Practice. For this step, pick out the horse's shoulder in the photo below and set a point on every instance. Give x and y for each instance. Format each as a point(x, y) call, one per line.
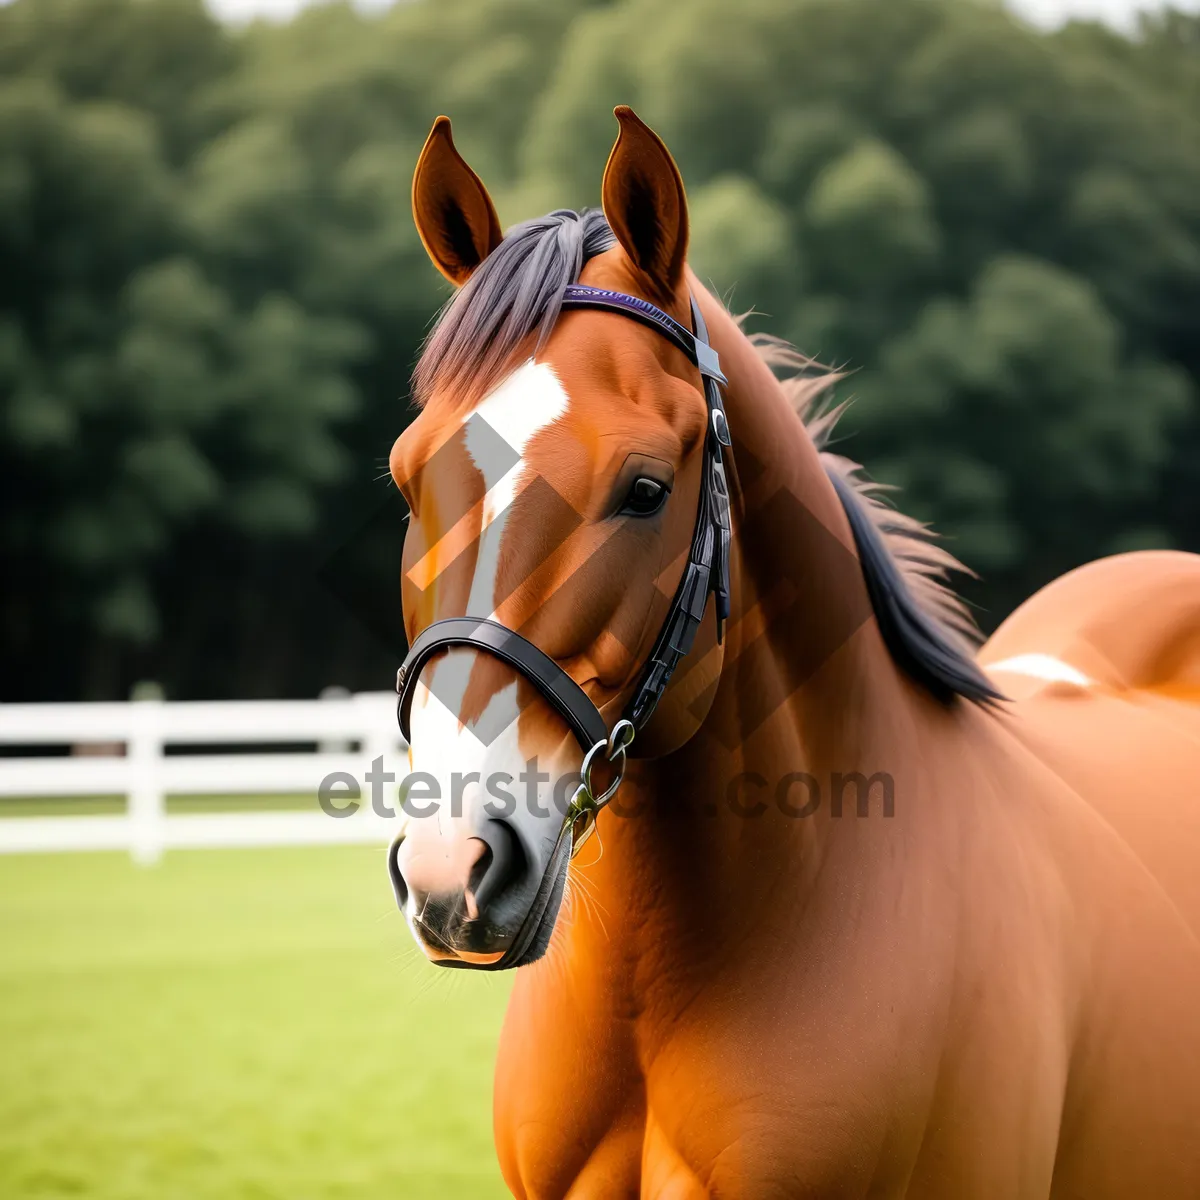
point(1130, 622)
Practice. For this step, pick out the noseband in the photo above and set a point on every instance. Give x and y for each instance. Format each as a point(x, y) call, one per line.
point(706, 573)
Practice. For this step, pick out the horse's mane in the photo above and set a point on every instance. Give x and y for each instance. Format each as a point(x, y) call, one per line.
point(927, 627)
point(515, 295)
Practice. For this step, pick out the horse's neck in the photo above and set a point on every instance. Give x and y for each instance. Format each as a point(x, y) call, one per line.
point(807, 686)
point(805, 660)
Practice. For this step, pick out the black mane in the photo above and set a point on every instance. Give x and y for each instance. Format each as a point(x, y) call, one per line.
point(922, 646)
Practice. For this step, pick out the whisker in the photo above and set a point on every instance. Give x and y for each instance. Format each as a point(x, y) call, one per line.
point(589, 886)
point(588, 901)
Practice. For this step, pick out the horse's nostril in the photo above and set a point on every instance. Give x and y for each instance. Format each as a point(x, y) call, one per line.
point(476, 877)
point(399, 888)
point(500, 864)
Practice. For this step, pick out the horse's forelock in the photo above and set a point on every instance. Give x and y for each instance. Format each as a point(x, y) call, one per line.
point(514, 297)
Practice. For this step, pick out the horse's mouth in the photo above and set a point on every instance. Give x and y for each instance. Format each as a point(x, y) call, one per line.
point(457, 949)
point(531, 940)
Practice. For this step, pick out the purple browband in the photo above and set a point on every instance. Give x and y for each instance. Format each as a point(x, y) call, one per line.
point(700, 352)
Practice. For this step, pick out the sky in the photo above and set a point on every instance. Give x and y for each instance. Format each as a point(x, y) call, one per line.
point(1050, 13)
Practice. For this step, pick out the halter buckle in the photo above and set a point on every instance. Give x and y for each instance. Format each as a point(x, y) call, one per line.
point(581, 813)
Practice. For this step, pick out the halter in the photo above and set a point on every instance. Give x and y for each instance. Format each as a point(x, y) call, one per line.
point(707, 572)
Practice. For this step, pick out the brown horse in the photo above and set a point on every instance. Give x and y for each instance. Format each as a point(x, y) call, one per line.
point(860, 926)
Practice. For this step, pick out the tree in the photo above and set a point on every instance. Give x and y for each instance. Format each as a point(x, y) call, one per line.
point(139, 398)
point(212, 294)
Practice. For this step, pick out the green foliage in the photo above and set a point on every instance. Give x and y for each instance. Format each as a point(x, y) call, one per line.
point(1032, 352)
point(155, 57)
point(211, 292)
point(139, 395)
point(868, 218)
point(740, 239)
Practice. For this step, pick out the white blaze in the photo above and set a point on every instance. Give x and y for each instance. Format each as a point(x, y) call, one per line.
point(528, 401)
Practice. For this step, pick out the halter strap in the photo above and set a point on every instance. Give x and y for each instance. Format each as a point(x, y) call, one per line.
point(569, 700)
point(706, 572)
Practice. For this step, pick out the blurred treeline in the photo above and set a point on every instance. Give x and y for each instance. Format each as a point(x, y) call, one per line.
point(211, 293)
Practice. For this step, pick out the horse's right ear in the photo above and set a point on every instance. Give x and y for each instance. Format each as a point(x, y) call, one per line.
point(453, 212)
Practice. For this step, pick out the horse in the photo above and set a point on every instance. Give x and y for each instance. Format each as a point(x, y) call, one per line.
point(872, 911)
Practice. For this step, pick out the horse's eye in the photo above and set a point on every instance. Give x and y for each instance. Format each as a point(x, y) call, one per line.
point(645, 497)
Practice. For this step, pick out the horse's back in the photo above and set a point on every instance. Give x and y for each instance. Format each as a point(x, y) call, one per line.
point(1103, 666)
point(1130, 622)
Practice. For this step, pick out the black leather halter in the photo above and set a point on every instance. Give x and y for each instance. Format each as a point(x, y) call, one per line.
point(707, 569)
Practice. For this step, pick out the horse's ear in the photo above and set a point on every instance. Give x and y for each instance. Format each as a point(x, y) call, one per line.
point(454, 214)
point(645, 204)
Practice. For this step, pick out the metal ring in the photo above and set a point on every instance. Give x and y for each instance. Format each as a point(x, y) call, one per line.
point(611, 790)
point(584, 803)
point(620, 738)
point(585, 771)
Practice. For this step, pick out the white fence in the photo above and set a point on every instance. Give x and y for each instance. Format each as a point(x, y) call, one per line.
point(350, 732)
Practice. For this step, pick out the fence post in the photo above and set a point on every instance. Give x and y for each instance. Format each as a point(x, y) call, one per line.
point(147, 810)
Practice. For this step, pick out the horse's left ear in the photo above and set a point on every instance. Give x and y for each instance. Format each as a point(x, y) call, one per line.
point(453, 212)
point(645, 204)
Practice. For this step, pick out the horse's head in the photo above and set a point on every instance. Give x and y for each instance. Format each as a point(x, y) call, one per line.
point(553, 476)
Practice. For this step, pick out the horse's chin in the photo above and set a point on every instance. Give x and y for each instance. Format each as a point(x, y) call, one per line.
point(532, 939)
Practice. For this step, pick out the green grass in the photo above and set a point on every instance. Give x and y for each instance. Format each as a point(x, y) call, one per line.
point(234, 1024)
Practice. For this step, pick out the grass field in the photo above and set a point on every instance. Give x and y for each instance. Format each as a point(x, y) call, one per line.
point(234, 1024)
